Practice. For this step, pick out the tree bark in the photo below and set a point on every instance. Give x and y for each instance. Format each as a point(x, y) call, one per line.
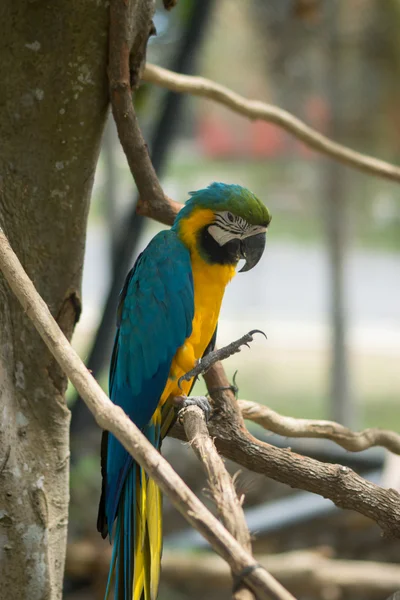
point(53, 104)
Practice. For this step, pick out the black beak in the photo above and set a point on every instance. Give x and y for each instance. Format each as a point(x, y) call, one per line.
point(251, 249)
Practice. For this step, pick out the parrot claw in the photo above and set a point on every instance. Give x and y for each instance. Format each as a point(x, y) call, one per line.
point(203, 364)
point(201, 401)
point(253, 331)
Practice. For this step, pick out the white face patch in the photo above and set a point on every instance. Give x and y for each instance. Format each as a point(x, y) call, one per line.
point(229, 227)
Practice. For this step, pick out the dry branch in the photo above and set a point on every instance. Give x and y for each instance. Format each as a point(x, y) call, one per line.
point(221, 485)
point(113, 419)
point(355, 441)
point(255, 109)
point(340, 484)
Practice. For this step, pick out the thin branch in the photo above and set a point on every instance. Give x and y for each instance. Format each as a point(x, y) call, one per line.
point(113, 419)
point(338, 483)
point(221, 485)
point(355, 441)
point(255, 109)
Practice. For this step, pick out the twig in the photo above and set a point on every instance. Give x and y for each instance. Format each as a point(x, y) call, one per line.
point(113, 419)
point(355, 441)
point(255, 109)
point(338, 483)
point(210, 359)
point(221, 485)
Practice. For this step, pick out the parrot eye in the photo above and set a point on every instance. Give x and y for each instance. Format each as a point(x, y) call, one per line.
point(230, 216)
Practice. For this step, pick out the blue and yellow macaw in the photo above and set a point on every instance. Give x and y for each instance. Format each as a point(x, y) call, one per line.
point(167, 318)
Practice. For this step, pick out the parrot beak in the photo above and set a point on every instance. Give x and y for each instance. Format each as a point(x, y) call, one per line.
point(251, 249)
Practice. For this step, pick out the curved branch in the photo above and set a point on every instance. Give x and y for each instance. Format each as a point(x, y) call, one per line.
point(355, 441)
point(255, 109)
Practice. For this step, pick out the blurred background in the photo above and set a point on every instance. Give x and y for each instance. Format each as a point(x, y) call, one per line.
point(327, 292)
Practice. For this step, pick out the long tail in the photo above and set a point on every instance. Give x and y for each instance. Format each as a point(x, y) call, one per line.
point(136, 557)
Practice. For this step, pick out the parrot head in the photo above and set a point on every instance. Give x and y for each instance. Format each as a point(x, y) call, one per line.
point(224, 223)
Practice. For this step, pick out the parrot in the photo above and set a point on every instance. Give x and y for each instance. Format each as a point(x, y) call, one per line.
point(166, 322)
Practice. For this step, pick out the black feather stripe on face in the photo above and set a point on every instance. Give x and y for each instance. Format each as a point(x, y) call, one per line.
point(213, 253)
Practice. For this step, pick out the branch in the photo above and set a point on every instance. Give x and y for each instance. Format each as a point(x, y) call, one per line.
point(120, 77)
point(113, 419)
point(338, 483)
point(309, 428)
point(221, 485)
point(255, 109)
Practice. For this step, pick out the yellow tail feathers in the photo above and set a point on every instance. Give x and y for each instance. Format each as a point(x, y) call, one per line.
point(148, 539)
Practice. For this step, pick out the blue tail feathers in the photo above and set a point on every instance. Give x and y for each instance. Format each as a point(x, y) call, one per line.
point(136, 556)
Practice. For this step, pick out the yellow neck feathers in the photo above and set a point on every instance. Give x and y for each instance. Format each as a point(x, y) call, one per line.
point(209, 286)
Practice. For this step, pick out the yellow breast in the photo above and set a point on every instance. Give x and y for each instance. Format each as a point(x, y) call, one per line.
point(209, 283)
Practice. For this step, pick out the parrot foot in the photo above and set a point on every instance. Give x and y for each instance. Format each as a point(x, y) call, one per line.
point(207, 361)
point(201, 401)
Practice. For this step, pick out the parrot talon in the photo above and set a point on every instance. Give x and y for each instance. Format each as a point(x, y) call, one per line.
point(220, 354)
point(201, 402)
point(253, 331)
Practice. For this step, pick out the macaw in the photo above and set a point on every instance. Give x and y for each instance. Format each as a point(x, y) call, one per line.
point(167, 319)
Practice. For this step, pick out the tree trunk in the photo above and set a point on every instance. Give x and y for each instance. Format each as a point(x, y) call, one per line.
point(53, 104)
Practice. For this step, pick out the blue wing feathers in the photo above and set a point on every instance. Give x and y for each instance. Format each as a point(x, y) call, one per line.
point(154, 319)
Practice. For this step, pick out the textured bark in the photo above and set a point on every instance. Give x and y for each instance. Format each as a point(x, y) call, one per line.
point(53, 104)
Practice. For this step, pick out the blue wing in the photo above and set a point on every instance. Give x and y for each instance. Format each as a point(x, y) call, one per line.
point(154, 319)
